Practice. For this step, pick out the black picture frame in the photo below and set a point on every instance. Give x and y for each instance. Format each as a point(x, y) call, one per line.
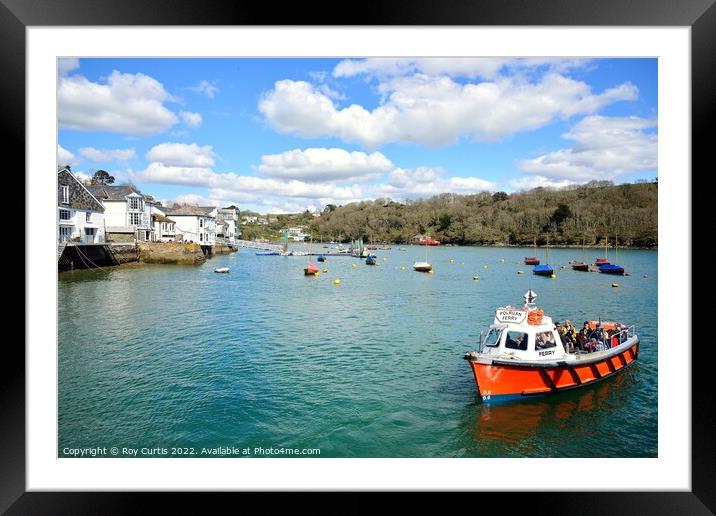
point(699, 15)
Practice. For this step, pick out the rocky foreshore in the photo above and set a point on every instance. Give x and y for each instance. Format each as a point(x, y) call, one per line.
point(171, 252)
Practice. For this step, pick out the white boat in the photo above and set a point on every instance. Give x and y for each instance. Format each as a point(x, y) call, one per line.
point(222, 269)
point(422, 266)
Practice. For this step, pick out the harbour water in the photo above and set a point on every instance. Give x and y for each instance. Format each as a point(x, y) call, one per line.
point(160, 356)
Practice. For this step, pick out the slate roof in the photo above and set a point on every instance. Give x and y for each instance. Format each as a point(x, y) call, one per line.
point(203, 211)
point(114, 192)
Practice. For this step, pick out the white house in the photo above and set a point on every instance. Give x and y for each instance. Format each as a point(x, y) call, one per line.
point(80, 214)
point(127, 212)
point(297, 234)
point(195, 223)
point(164, 227)
point(231, 229)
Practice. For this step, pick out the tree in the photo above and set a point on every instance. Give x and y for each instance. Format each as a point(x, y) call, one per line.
point(561, 214)
point(499, 196)
point(329, 208)
point(102, 177)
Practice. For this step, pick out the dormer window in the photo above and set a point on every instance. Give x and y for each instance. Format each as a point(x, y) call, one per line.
point(65, 192)
point(135, 203)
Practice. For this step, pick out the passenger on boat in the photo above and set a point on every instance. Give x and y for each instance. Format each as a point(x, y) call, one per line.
point(583, 336)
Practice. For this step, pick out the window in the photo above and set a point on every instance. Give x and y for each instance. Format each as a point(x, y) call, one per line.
point(135, 203)
point(516, 340)
point(65, 190)
point(135, 218)
point(65, 233)
point(493, 337)
point(545, 340)
point(88, 216)
point(201, 223)
point(65, 215)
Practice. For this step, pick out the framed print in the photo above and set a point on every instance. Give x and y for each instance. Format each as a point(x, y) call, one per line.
point(452, 172)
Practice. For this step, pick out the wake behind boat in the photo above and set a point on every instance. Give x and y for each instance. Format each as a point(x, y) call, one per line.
point(524, 355)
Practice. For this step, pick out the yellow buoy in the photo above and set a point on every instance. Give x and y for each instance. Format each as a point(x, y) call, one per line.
point(317, 274)
point(484, 266)
point(385, 258)
point(353, 265)
point(336, 281)
point(462, 263)
point(553, 276)
point(402, 268)
point(615, 284)
point(325, 270)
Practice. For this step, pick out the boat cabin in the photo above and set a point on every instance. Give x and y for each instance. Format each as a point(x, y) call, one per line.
point(523, 334)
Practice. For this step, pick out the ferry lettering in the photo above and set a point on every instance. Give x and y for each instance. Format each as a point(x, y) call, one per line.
point(545, 353)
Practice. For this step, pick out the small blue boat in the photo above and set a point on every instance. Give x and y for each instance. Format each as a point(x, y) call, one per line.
point(611, 268)
point(371, 259)
point(267, 253)
point(321, 258)
point(543, 270)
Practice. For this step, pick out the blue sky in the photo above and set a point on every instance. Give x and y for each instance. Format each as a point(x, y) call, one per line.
point(285, 135)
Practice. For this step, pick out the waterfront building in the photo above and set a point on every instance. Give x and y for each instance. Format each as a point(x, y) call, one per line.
point(230, 231)
point(164, 227)
point(80, 214)
point(195, 224)
point(127, 212)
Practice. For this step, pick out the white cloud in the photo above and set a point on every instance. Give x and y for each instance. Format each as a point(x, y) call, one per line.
point(230, 185)
point(207, 88)
point(186, 155)
point(66, 64)
point(127, 103)
point(191, 119)
point(605, 148)
point(426, 182)
point(65, 157)
point(435, 111)
point(319, 164)
point(528, 183)
point(106, 155)
point(82, 177)
point(471, 67)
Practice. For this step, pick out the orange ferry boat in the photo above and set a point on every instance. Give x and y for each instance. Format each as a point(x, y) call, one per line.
point(523, 355)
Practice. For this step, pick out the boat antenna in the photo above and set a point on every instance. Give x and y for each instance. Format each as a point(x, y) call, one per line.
point(530, 297)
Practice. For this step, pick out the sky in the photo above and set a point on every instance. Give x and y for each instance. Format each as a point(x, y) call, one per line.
point(281, 135)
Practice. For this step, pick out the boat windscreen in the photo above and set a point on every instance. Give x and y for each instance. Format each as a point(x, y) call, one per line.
point(493, 337)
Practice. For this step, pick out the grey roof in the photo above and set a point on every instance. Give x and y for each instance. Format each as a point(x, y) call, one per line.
point(161, 218)
point(113, 192)
point(190, 210)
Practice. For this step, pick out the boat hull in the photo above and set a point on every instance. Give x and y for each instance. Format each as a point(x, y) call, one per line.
point(581, 266)
point(422, 268)
point(531, 261)
point(497, 379)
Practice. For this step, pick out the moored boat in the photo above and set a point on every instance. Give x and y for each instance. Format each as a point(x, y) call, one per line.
point(371, 259)
point(543, 270)
point(222, 270)
point(523, 355)
point(429, 241)
point(422, 266)
point(321, 258)
point(311, 270)
point(580, 266)
point(611, 268)
point(531, 260)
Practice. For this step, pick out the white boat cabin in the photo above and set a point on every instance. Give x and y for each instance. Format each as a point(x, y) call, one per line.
point(523, 333)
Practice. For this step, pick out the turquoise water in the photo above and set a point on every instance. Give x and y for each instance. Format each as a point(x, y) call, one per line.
point(263, 357)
